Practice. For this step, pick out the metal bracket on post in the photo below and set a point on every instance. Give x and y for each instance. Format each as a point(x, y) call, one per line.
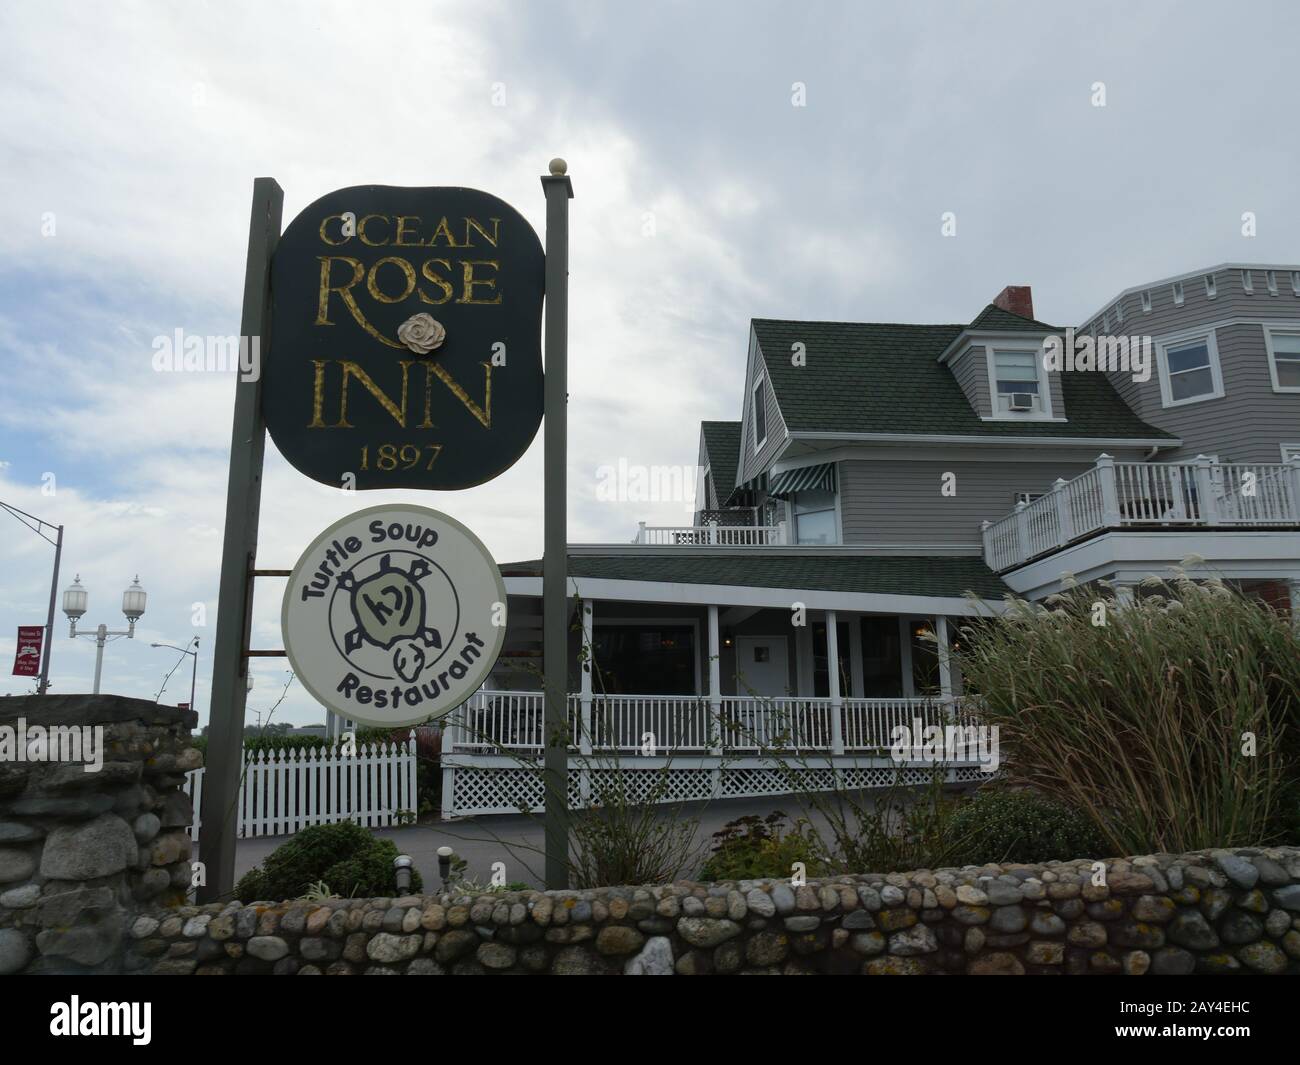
point(555, 637)
point(219, 817)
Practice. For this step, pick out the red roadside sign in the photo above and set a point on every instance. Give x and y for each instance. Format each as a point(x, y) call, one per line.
point(27, 659)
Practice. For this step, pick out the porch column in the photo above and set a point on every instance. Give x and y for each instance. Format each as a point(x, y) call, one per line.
point(1124, 593)
point(945, 666)
point(584, 738)
point(905, 654)
point(833, 680)
point(857, 678)
point(715, 682)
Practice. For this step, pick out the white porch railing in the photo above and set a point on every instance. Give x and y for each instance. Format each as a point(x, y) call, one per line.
point(711, 535)
point(1117, 495)
point(511, 722)
point(681, 748)
point(285, 791)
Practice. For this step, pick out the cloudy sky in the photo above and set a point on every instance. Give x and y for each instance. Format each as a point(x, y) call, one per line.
point(131, 134)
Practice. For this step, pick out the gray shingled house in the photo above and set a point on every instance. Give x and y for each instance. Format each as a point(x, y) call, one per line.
point(884, 481)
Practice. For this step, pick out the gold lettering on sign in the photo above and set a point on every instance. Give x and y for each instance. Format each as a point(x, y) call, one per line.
point(467, 293)
point(496, 231)
point(444, 231)
point(372, 283)
point(361, 231)
point(397, 410)
point(447, 289)
point(401, 231)
point(358, 272)
point(325, 239)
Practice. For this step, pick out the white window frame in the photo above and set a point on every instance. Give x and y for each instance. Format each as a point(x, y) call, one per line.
point(1026, 497)
point(753, 410)
point(1163, 344)
point(792, 521)
point(1146, 302)
point(1289, 451)
point(1044, 413)
point(1269, 329)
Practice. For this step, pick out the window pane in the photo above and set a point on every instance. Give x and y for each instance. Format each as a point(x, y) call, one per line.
point(1286, 344)
point(1191, 383)
point(1018, 386)
point(814, 499)
point(1288, 373)
point(1190, 357)
point(815, 528)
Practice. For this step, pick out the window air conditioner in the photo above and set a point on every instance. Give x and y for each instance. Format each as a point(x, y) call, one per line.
point(1021, 401)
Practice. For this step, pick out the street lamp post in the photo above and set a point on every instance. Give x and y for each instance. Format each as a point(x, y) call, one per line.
point(43, 684)
point(194, 654)
point(75, 599)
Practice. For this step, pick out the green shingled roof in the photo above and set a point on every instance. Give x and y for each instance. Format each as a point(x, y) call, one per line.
point(870, 378)
point(944, 575)
point(722, 443)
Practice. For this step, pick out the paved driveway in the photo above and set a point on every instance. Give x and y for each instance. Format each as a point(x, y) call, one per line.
point(517, 839)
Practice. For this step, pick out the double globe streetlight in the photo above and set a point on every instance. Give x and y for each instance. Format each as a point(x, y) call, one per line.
point(75, 599)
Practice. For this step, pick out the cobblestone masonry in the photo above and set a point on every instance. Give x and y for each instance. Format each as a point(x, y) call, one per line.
point(77, 895)
point(81, 853)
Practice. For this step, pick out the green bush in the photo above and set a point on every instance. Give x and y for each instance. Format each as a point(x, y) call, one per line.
point(999, 825)
point(344, 856)
point(752, 848)
point(1139, 716)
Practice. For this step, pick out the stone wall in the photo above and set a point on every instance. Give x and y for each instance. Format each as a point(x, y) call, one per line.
point(94, 871)
point(81, 853)
point(1218, 911)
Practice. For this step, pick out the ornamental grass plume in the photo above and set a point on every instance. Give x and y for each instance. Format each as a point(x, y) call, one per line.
point(1172, 722)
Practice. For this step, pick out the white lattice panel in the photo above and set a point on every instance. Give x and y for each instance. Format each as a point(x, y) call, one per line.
point(510, 789)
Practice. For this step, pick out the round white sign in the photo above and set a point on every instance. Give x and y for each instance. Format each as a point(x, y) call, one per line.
point(394, 615)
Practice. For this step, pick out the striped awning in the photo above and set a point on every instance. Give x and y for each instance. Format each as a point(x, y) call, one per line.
point(802, 479)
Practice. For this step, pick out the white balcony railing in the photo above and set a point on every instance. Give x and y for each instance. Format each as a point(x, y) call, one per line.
point(711, 535)
point(496, 721)
point(1117, 495)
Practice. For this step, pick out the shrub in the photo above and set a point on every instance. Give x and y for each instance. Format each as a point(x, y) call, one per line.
point(1139, 721)
point(1000, 825)
point(752, 848)
point(344, 857)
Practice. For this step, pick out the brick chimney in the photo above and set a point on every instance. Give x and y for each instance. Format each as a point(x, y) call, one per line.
point(1018, 299)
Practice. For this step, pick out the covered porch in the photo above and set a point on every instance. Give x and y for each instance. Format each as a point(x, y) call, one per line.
point(719, 682)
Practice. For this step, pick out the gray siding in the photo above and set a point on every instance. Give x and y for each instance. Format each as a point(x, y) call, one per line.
point(1250, 421)
point(896, 501)
point(971, 370)
point(751, 464)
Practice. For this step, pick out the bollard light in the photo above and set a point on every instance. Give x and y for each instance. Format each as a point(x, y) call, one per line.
point(444, 864)
point(402, 872)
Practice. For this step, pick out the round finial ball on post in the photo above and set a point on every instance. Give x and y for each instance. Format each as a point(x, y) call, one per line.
point(559, 167)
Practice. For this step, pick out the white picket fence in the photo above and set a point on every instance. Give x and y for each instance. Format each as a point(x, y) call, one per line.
point(285, 791)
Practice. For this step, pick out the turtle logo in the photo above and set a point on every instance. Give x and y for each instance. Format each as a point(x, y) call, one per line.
point(389, 609)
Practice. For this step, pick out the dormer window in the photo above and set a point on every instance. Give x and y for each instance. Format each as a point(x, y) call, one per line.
point(1018, 389)
point(758, 412)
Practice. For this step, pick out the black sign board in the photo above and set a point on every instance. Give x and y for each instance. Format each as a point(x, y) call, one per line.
point(405, 345)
